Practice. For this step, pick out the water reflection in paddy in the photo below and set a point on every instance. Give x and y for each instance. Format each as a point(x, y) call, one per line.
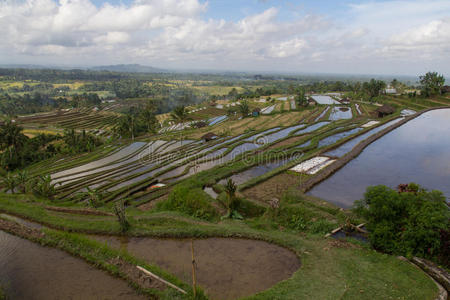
point(336, 137)
point(418, 151)
point(341, 113)
point(347, 147)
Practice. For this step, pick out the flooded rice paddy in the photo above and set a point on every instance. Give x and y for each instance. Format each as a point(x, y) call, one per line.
point(322, 99)
point(418, 151)
point(340, 113)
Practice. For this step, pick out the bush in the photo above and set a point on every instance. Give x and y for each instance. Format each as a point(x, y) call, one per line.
point(191, 201)
point(321, 226)
point(407, 223)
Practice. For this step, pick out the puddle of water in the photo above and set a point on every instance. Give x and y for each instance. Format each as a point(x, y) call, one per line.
point(338, 136)
point(418, 151)
point(321, 99)
point(31, 271)
point(341, 113)
point(226, 268)
point(347, 147)
point(358, 236)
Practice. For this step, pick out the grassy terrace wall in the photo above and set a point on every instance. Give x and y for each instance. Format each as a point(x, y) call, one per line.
point(348, 271)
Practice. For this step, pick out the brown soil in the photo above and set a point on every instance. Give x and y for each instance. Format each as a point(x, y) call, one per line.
point(129, 270)
point(151, 204)
point(226, 268)
point(31, 271)
point(337, 243)
point(273, 187)
point(287, 142)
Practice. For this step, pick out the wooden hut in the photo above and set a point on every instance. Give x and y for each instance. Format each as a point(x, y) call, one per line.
point(256, 112)
point(385, 110)
point(311, 101)
point(445, 89)
point(209, 137)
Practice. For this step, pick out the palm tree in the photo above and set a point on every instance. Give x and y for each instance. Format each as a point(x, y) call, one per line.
point(11, 136)
point(233, 201)
point(125, 126)
point(10, 182)
point(44, 187)
point(244, 108)
point(22, 181)
point(95, 197)
point(148, 116)
point(179, 114)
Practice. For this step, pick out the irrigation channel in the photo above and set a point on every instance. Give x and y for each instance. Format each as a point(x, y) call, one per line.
point(226, 268)
point(418, 151)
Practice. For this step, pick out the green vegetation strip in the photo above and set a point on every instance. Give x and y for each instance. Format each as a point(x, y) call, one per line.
point(330, 269)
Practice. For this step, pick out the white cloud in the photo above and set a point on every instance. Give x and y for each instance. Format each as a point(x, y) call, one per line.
point(374, 36)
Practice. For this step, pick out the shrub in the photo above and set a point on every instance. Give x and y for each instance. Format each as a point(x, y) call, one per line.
point(119, 211)
point(407, 223)
point(191, 201)
point(321, 226)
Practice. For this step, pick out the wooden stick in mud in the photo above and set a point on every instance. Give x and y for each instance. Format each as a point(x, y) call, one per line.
point(160, 279)
point(194, 281)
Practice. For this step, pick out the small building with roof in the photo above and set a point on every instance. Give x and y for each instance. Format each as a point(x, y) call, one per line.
point(209, 136)
point(384, 110)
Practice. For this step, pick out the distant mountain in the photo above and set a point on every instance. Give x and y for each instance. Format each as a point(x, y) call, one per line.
point(131, 68)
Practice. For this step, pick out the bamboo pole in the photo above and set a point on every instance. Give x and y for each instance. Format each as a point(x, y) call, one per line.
point(194, 280)
point(162, 280)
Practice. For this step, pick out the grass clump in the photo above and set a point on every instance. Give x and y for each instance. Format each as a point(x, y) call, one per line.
point(191, 201)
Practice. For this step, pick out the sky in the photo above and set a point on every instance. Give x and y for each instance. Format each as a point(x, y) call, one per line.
point(330, 36)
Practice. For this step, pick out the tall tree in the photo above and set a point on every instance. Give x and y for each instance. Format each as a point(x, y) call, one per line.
point(149, 118)
point(244, 108)
point(179, 114)
point(300, 98)
point(432, 83)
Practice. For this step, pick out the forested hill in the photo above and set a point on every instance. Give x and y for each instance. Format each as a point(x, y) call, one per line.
point(130, 68)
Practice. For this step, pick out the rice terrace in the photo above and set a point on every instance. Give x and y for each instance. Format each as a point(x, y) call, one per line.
point(133, 182)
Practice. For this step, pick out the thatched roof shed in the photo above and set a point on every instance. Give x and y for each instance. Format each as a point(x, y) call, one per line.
point(385, 110)
point(445, 89)
point(209, 137)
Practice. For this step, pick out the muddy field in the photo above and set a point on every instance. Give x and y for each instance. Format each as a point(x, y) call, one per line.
point(273, 187)
point(30, 271)
point(226, 268)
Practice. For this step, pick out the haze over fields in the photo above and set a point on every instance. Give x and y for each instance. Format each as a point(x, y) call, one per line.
point(366, 37)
